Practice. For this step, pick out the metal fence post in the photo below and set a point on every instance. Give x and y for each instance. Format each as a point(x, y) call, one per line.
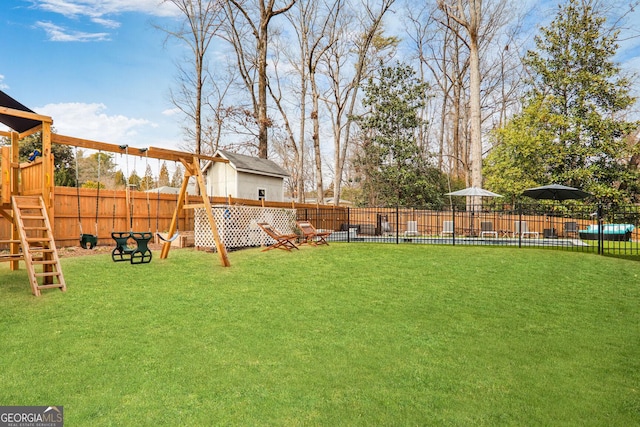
point(348, 224)
point(599, 215)
point(453, 222)
point(519, 226)
point(397, 225)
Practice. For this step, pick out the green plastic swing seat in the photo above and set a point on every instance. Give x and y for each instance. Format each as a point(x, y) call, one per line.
point(88, 241)
point(140, 254)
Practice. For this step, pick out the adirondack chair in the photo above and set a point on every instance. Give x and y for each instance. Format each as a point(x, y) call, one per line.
point(283, 241)
point(311, 235)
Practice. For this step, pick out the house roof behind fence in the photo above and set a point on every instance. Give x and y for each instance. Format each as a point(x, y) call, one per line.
point(249, 164)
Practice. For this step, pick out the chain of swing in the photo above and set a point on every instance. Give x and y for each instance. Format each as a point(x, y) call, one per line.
point(87, 241)
point(132, 246)
point(123, 251)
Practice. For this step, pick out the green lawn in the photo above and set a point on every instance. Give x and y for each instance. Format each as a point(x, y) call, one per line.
point(350, 334)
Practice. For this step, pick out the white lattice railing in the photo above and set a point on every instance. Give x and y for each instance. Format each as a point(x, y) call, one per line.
point(237, 225)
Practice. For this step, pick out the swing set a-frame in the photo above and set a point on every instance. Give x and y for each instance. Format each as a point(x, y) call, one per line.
point(27, 192)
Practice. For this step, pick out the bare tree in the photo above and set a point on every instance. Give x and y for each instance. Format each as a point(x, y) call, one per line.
point(316, 31)
point(475, 27)
point(468, 14)
point(313, 24)
point(275, 87)
point(249, 20)
point(443, 45)
point(440, 52)
point(299, 19)
point(214, 114)
point(220, 114)
point(458, 123)
point(200, 24)
point(324, 38)
point(353, 54)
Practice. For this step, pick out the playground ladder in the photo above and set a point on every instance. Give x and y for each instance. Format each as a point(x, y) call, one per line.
point(38, 246)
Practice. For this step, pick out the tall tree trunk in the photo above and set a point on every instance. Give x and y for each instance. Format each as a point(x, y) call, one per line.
point(263, 120)
point(318, 32)
point(315, 119)
point(198, 107)
point(301, 151)
point(471, 23)
point(456, 140)
point(475, 117)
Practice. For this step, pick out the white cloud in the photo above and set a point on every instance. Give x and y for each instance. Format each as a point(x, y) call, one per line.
point(106, 22)
point(99, 12)
point(90, 121)
point(171, 112)
point(57, 33)
point(97, 9)
point(3, 86)
point(66, 8)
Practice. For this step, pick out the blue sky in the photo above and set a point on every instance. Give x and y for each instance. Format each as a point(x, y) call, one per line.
point(97, 67)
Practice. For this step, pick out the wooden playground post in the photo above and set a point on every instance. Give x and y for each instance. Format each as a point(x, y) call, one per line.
point(193, 169)
point(173, 227)
point(47, 169)
point(14, 248)
point(207, 205)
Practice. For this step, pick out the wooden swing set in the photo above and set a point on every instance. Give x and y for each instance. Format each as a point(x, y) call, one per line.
point(27, 193)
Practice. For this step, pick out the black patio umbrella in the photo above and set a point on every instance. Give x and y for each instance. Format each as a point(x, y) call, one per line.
point(555, 192)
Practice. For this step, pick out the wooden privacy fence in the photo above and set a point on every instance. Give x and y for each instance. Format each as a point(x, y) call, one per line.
point(150, 212)
point(111, 213)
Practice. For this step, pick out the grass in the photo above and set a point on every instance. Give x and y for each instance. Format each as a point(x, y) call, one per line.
point(366, 334)
point(616, 248)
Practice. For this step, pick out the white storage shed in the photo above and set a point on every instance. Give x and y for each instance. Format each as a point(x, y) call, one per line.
point(245, 177)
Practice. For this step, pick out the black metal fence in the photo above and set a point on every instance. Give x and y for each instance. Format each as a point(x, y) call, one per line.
point(595, 228)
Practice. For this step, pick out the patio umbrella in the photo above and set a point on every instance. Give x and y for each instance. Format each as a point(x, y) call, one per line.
point(555, 192)
point(473, 192)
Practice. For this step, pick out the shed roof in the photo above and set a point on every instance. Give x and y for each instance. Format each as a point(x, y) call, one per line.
point(18, 124)
point(249, 164)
